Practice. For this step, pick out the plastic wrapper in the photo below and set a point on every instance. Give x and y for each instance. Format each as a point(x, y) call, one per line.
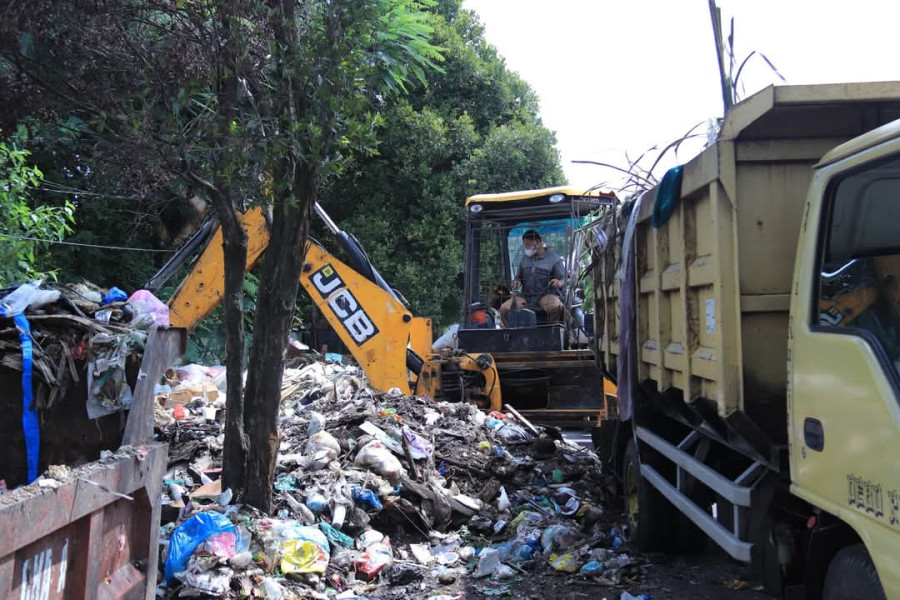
point(591, 568)
point(514, 551)
point(377, 558)
point(419, 447)
point(191, 534)
point(207, 583)
point(316, 423)
point(558, 536)
point(336, 537)
point(565, 563)
point(145, 303)
point(377, 458)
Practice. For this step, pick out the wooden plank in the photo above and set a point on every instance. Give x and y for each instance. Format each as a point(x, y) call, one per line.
point(164, 346)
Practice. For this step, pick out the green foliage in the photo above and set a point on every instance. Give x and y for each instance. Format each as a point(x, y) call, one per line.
point(474, 128)
point(26, 229)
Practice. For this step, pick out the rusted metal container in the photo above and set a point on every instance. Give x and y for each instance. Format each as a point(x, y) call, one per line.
point(95, 532)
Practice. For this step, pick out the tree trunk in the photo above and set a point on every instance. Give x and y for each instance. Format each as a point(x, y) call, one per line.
point(236, 445)
point(234, 247)
point(271, 328)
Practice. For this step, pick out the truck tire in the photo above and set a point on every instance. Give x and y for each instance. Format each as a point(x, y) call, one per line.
point(649, 514)
point(851, 574)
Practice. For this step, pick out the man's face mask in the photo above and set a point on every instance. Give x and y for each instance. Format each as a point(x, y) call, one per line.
point(529, 251)
point(530, 247)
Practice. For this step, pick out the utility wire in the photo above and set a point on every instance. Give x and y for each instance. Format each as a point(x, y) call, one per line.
point(58, 242)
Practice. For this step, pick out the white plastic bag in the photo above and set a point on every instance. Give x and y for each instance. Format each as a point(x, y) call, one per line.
point(377, 458)
point(321, 449)
point(27, 295)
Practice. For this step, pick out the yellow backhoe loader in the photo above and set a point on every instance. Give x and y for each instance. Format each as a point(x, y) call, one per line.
point(541, 366)
point(371, 318)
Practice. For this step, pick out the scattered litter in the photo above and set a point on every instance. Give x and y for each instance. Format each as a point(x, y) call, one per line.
point(486, 496)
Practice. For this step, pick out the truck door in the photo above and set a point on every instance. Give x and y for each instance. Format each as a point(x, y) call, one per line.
point(844, 350)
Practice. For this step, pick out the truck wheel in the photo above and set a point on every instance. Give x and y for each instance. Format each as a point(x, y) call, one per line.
point(851, 574)
point(648, 512)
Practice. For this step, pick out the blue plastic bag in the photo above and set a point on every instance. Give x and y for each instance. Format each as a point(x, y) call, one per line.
point(191, 534)
point(366, 496)
point(114, 295)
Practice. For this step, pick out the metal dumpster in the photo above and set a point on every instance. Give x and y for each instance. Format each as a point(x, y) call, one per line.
point(95, 532)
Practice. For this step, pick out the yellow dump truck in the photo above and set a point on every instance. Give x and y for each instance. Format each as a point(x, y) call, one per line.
point(750, 306)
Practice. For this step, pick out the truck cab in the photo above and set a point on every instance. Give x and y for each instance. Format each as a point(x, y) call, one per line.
point(844, 349)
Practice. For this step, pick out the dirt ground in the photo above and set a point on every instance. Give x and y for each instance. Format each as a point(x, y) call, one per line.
point(712, 575)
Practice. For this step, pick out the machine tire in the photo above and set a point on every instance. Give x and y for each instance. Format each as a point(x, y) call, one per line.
point(649, 514)
point(851, 574)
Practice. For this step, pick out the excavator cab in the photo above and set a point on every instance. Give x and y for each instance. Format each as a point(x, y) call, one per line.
point(525, 305)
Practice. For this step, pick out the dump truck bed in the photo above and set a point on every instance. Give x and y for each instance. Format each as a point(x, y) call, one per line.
point(714, 281)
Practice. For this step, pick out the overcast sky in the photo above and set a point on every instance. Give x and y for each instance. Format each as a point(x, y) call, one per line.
point(625, 75)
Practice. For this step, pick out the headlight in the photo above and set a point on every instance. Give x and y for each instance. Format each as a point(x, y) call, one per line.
point(475, 208)
point(557, 198)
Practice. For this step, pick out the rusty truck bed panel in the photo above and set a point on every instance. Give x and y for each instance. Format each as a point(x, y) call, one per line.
point(84, 539)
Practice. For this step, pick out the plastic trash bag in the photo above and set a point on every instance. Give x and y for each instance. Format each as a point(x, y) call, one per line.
point(316, 502)
point(321, 449)
point(503, 502)
point(191, 534)
point(377, 458)
point(336, 537)
point(376, 559)
point(488, 562)
point(28, 295)
point(304, 549)
point(302, 556)
point(514, 551)
point(145, 303)
point(558, 536)
point(114, 295)
point(367, 497)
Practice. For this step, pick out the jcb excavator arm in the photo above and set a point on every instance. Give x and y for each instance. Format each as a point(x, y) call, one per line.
point(370, 318)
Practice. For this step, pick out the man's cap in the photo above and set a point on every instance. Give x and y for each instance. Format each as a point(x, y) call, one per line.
point(531, 234)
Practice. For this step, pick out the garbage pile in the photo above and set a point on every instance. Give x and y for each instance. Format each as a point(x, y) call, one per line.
point(64, 344)
point(383, 495)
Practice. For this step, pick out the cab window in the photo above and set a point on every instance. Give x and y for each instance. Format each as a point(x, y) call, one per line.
point(859, 282)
